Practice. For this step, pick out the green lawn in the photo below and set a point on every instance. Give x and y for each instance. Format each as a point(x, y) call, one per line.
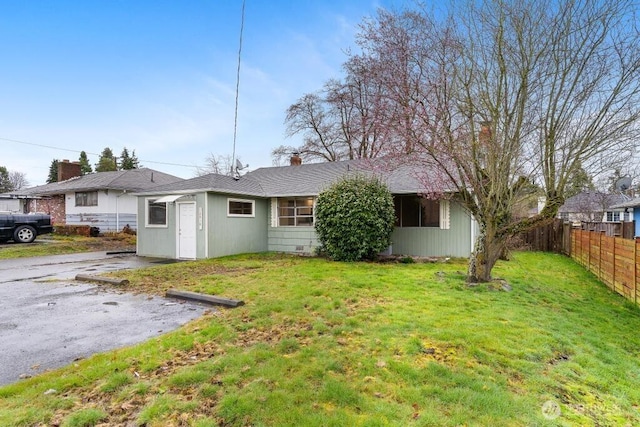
point(335, 344)
point(54, 244)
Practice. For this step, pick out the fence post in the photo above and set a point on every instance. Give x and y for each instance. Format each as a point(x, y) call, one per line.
point(600, 257)
point(572, 242)
point(588, 250)
point(613, 273)
point(635, 269)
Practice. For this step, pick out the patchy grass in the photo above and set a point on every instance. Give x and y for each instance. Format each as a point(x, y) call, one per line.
point(324, 343)
point(52, 244)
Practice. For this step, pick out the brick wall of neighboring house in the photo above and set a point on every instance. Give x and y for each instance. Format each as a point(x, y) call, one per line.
point(53, 205)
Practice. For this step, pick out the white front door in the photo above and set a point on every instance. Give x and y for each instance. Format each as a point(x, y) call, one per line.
point(187, 230)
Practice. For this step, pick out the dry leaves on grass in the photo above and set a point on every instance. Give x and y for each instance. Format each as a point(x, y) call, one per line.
point(153, 285)
point(125, 410)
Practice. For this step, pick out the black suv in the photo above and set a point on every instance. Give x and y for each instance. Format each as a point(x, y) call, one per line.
point(23, 228)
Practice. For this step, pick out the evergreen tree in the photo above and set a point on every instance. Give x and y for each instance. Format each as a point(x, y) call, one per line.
point(107, 161)
point(5, 182)
point(127, 161)
point(85, 166)
point(53, 171)
point(579, 181)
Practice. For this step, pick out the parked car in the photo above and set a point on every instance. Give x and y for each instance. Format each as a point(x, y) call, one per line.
point(23, 228)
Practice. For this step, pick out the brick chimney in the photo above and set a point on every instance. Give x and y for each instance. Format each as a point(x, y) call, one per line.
point(485, 132)
point(68, 170)
point(296, 160)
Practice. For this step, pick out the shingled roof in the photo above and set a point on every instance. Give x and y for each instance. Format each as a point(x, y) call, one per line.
point(633, 203)
point(130, 180)
point(301, 180)
point(591, 201)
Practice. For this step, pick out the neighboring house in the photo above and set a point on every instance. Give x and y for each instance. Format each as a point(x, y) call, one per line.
point(272, 209)
point(101, 199)
point(9, 203)
point(594, 206)
point(632, 209)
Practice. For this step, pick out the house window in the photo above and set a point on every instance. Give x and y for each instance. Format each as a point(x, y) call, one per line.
point(89, 198)
point(613, 216)
point(295, 211)
point(237, 207)
point(156, 213)
point(564, 216)
point(415, 211)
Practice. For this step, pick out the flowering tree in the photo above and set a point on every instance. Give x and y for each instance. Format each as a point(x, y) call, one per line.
point(505, 93)
point(501, 95)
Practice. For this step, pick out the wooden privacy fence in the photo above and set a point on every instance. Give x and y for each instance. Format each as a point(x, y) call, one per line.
point(552, 237)
point(555, 236)
point(613, 260)
point(618, 229)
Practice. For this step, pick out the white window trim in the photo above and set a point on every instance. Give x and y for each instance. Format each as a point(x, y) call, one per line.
point(147, 202)
point(613, 215)
point(445, 216)
point(274, 212)
point(87, 193)
point(253, 208)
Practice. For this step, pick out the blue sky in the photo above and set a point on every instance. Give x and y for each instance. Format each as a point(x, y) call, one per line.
point(159, 77)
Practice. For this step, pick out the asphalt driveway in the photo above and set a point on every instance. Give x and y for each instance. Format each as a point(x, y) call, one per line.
point(48, 320)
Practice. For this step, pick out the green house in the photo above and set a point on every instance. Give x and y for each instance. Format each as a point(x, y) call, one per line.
point(272, 209)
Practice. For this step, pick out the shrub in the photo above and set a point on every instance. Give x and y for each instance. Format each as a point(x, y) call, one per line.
point(73, 230)
point(355, 219)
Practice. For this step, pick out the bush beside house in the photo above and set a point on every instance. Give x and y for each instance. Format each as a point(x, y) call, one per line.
point(355, 218)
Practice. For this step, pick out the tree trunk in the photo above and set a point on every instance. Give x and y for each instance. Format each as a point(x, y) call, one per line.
point(488, 250)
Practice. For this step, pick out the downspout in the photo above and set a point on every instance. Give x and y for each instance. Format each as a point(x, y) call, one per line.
point(118, 210)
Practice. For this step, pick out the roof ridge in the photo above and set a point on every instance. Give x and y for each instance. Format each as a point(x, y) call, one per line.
point(115, 177)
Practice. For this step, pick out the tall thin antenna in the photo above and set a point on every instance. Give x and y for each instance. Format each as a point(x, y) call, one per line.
point(235, 118)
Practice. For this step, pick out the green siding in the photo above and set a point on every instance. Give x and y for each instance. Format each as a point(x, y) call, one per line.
point(157, 241)
point(301, 240)
point(235, 235)
point(415, 241)
point(426, 241)
point(201, 228)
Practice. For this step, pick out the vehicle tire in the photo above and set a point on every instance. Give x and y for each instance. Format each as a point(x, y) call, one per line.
point(24, 234)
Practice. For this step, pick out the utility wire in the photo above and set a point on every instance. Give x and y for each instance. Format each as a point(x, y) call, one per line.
point(93, 154)
point(235, 118)
point(44, 146)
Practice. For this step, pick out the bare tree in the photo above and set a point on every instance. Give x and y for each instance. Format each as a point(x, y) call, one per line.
point(506, 93)
point(18, 180)
point(11, 180)
point(221, 164)
point(311, 117)
point(342, 121)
